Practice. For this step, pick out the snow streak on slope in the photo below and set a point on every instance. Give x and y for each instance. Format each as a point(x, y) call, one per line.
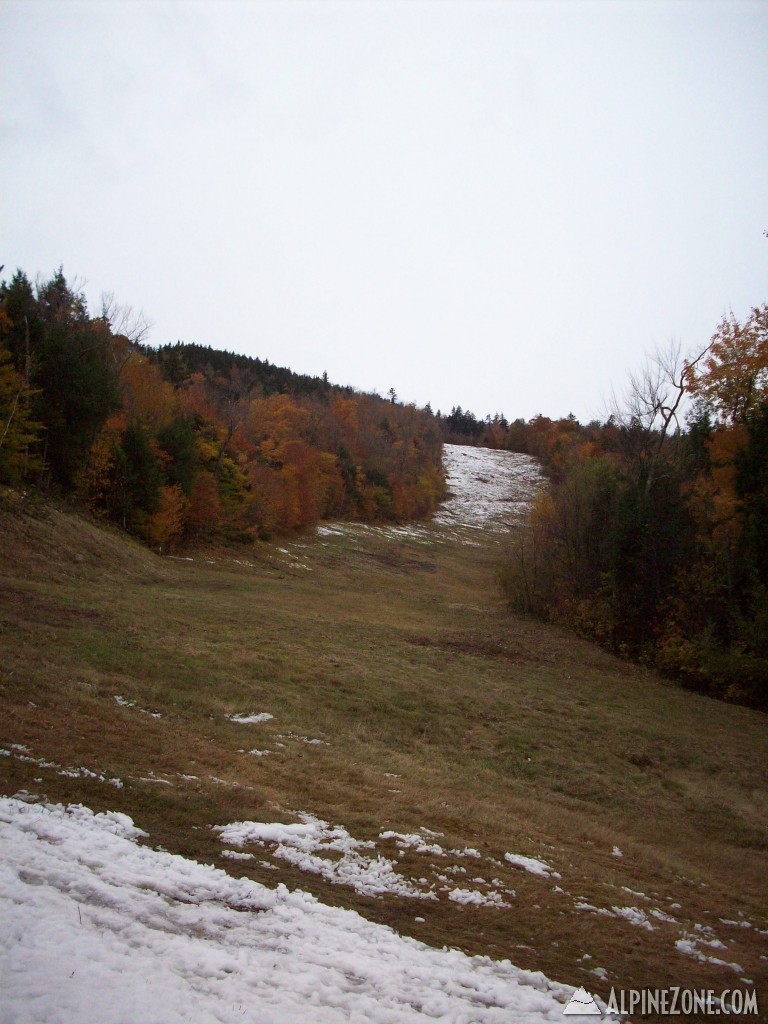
point(488, 489)
point(94, 927)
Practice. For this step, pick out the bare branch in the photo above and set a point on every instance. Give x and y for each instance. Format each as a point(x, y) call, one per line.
point(652, 402)
point(123, 320)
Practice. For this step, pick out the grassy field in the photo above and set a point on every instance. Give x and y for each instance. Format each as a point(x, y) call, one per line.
point(437, 710)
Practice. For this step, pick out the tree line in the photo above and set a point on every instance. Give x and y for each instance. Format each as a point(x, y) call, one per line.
point(185, 444)
point(652, 534)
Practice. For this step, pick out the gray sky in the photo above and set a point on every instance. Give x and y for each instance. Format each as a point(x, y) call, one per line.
point(501, 205)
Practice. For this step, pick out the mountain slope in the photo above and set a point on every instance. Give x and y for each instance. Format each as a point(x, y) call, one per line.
point(634, 814)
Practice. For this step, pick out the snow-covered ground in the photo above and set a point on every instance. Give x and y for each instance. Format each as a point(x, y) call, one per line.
point(487, 489)
point(95, 927)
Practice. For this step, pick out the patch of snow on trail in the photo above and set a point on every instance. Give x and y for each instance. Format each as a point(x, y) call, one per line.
point(634, 915)
point(95, 927)
point(488, 489)
point(125, 703)
point(689, 945)
point(306, 845)
point(413, 842)
point(532, 864)
point(262, 716)
point(471, 897)
point(22, 753)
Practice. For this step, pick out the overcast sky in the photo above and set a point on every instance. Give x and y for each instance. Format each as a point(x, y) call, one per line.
point(498, 205)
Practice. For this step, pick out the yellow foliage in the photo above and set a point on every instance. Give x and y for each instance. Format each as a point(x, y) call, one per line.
point(95, 482)
point(166, 524)
point(147, 399)
point(278, 418)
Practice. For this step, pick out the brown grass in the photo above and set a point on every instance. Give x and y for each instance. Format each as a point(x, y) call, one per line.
point(503, 734)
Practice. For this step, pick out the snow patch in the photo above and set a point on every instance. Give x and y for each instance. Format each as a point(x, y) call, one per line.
point(689, 945)
point(125, 703)
point(21, 753)
point(253, 719)
point(306, 845)
point(303, 739)
point(661, 915)
point(488, 489)
point(413, 842)
point(532, 864)
point(95, 927)
point(634, 916)
point(471, 897)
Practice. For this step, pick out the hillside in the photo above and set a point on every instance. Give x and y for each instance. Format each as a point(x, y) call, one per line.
point(649, 539)
point(362, 692)
point(187, 444)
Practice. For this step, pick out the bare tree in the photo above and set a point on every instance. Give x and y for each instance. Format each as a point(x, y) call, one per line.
point(653, 399)
point(128, 329)
point(123, 320)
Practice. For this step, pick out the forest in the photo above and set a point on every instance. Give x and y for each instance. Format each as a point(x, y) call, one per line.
point(652, 536)
point(187, 444)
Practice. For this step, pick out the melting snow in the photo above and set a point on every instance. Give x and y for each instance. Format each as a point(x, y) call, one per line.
point(582, 905)
point(634, 916)
point(488, 489)
point(479, 899)
point(303, 739)
point(263, 716)
point(532, 864)
point(125, 703)
point(660, 915)
point(96, 927)
point(306, 845)
point(689, 944)
point(413, 842)
point(22, 753)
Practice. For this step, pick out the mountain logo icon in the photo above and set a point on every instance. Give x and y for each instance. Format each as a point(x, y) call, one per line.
point(582, 1004)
